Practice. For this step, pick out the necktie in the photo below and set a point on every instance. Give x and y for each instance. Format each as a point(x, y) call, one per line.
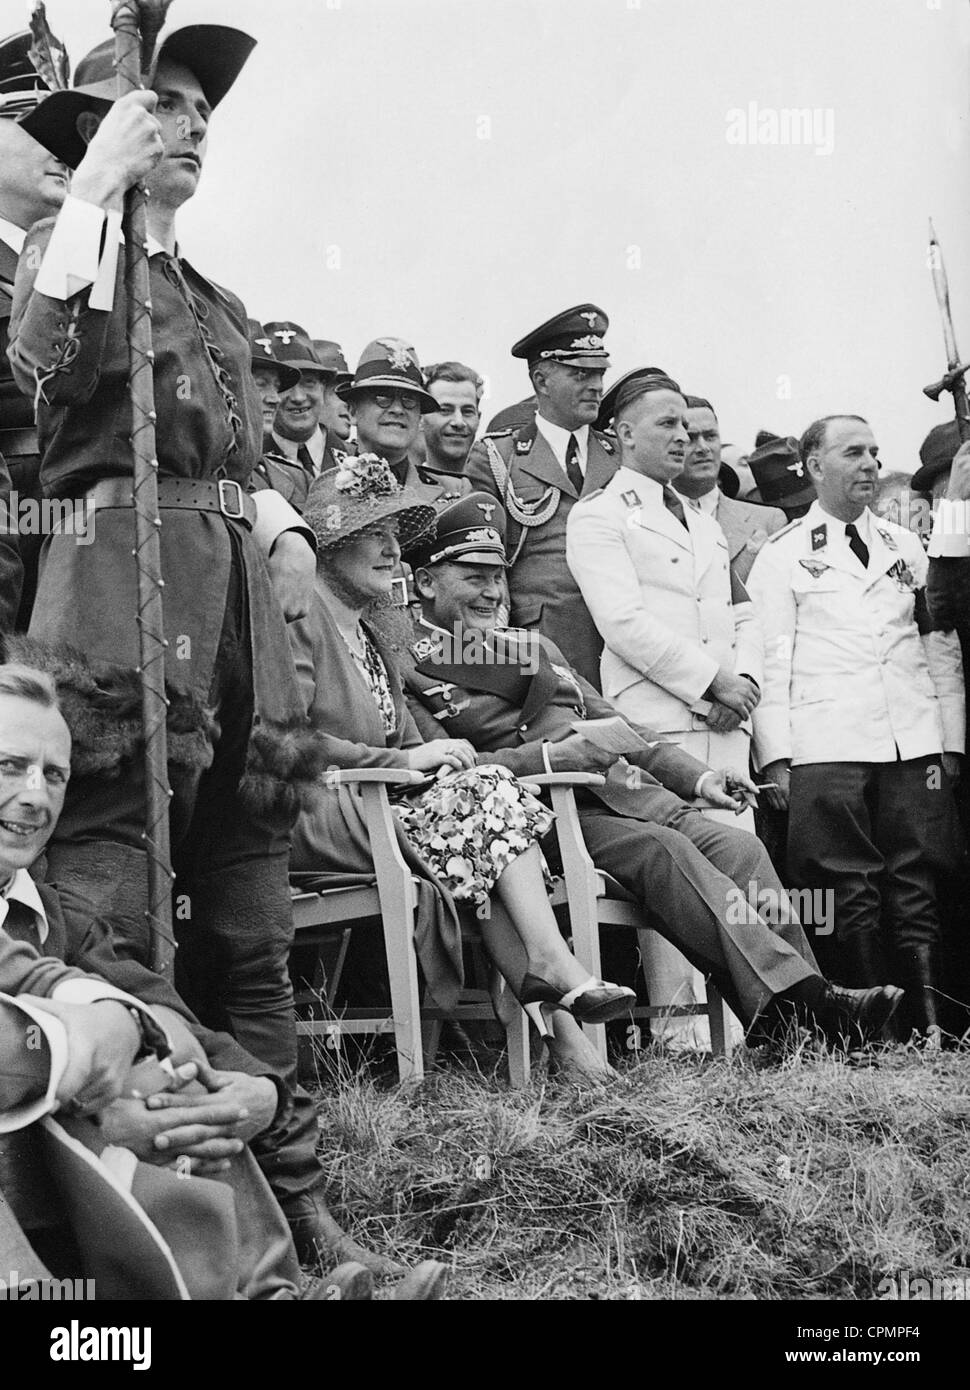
point(674, 505)
point(573, 471)
point(304, 457)
point(21, 923)
point(857, 545)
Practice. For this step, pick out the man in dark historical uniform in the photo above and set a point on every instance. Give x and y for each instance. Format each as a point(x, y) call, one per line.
point(514, 696)
point(33, 184)
point(539, 471)
point(233, 564)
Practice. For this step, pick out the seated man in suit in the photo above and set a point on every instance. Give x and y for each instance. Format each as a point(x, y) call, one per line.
point(91, 1009)
point(514, 697)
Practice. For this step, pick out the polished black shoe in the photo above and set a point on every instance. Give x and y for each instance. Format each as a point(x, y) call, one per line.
point(854, 1016)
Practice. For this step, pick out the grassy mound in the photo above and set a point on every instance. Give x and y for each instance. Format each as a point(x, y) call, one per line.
point(680, 1179)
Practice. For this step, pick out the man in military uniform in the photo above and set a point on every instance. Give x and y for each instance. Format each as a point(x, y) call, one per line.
point(682, 647)
point(540, 471)
point(862, 718)
point(388, 397)
point(271, 378)
point(746, 527)
point(33, 184)
point(514, 696)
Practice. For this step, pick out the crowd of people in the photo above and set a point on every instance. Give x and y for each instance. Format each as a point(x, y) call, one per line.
point(753, 650)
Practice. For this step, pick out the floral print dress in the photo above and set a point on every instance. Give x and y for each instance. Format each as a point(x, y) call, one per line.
point(470, 825)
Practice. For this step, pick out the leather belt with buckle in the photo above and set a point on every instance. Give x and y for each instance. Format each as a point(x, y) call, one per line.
point(18, 444)
point(191, 494)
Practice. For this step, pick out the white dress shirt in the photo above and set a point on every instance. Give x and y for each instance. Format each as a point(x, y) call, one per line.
point(558, 440)
point(13, 235)
point(316, 447)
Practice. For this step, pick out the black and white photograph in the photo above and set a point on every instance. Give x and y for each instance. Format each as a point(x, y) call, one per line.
point(484, 631)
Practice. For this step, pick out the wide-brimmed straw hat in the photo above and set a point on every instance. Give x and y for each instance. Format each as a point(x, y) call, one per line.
point(213, 53)
point(360, 492)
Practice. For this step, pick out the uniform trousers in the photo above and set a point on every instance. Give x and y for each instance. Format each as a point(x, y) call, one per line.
point(233, 916)
point(694, 876)
point(671, 979)
point(874, 835)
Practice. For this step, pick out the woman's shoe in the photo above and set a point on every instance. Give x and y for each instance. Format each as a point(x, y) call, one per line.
point(594, 1001)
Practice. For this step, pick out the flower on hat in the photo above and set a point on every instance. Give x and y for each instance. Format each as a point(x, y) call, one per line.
point(367, 476)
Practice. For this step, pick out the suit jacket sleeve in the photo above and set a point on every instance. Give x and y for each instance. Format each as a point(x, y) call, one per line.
point(771, 593)
point(602, 566)
point(33, 1057)
point(24, 971)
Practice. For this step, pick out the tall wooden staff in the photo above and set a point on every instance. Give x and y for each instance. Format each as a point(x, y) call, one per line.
point(136, 24)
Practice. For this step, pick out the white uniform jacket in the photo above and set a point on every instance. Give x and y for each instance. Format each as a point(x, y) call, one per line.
point(848, 678)
point(661, 598)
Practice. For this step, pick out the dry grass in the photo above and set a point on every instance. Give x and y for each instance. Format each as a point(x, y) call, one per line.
point(809, 1179)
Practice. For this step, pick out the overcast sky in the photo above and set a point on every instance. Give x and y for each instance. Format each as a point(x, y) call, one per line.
point(455, 171)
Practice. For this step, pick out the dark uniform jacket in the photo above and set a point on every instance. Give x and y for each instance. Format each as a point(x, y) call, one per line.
point(19, 462)
point(544, 595)
point(530, 694)
point(209, 427)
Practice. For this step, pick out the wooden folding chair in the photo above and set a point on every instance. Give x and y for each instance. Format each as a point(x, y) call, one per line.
point(326, 918)
point(593, 899)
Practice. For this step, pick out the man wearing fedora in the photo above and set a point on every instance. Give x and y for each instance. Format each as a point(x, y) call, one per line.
point(711, 486)
point(540, 471)
point(240, 752)
point(297, 433)
point(387, 398)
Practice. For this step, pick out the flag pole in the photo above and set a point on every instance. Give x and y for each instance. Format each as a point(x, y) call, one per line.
point(136, 25)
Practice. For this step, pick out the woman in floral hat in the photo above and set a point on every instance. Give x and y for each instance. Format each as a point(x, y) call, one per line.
point(475, 830)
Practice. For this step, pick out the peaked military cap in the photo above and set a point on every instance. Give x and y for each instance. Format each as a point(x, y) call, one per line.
point(391, 364)
point(21, 85)
point(332, 359)
point(574, 338)
point(213, 53)
point(469, 531)
point(264, 355)
point(780, 474)
point(291, 344)
point(936, 454)
point(630, 385)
